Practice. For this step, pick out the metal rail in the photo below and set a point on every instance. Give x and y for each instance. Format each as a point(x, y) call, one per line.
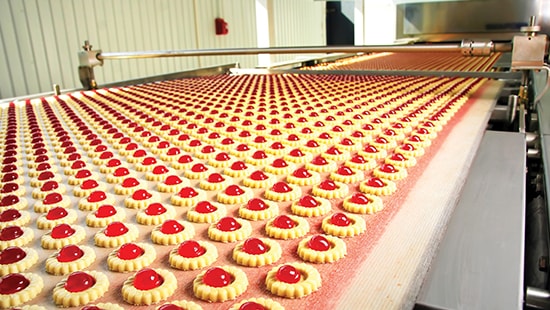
point(438, 48)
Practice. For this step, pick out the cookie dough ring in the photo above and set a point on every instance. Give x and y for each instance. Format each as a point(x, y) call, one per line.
point(388, 187)
point(92, 220)
point(158, 237)
point(290, 166)
point(23, 219)
point(356, 227)
point(239, 234)
point(183, 304)
point(337, 250)
point(37, 193)
point(324, 206)
point(239, 173)
point(50, 243)
point(42, 222)
point(104, 241)
point(25, 238)
point(293, 194)
point(85, 204)
point(107, 306)
point(310, 282)
point(31, 257)
point(220, 294)
point(268, 304)
point(55, 267)
point(300, 229)
point(373, 205)
point(226, 197)
point(398, 173)
point(63, 298)
point(138, 297)
point(271, 211)
point(36, 284)
point(31, 307)
point(193, 263)
point(340, 191)
point(181, 200)
point(272, 255)
point(121, 265)
point(211, 217)
point(145, 219)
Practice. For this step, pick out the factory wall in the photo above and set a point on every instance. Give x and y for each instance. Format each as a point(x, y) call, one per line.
point(40, 40)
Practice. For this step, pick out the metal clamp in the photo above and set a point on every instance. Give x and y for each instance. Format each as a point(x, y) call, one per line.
point(476, 48)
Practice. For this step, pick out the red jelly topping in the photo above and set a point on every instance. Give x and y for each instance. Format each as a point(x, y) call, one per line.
point(184, 159)
point(69, 253)
point(89, 184)
point(115, 229)
point(228, 224)
point(170, 227)
point(358, 159)
point(250, 305)
point(13, 283)
point(288, 274)
point(205, 207)
point(120, 172)
point(149, 161)
point(217, 277)
point(130, 182)
point(97, 196)
point(415, 139)
point(407, 147)
point(375, 182)
point(46, 175)
point(52, 198)
point(319, 243)
point(78, 164)
point(129, 251)
point(49, 186)
point(160, 169)
point(387, 168)
point(238, 166)
point(340, 219)
point(258, 175)
point(308, 202)
point(281, 187)
point(284, 222)
point(319, 161)
point(328, 185)
point(9, 215)
point(259, 155)
point(9, 188)
point(173, 180)
point(105, 211)
point(155, 209)
point(398, 157)
point(141, 194)
point(187, 192)
point(254, 246)
point(333, 151)
point(301, 173)
point(242, 148)
point(279, 163)
point(359, 198)
point(215, 178)
point(79, 281)
point(12, 255)
point(62, 231)
point(370, 149)
point(234, 190)
point(190, 249)
point(312, 143)
point(199, 168)
point(256, 204)
point(344, 170)
point(56, 213)
point(381, 140)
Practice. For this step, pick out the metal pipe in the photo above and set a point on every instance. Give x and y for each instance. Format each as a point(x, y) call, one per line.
point(499, 47)
point(537, 298)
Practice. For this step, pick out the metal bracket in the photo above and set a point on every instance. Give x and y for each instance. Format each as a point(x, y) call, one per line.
point(87, 61)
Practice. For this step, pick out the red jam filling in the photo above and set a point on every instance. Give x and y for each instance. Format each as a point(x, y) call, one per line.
point(328, 185)
point(308, 201)
point(258, 175)
point(105, 211)
point(239, 166)
point(52, 198)
point(115, 229)
point(161, 169)
point(296, 153)
point(288, 274)
point(375, 182)
point(89, 184)
point(228, 224)
point(130, 182)
point(120, 172)
point(191, 249)
point(407, 147)
point(49, 186)
point(254, 246)
point(398, 157)
point(301, 173)
point(333, 151)
point(234, 190)
point(199, 168)
point(340, 219)
point(78, 164)
point(184, 159)
point(222, 156)
point(46, 175)
point(319, 243)
point(147, 161)
point(173, 180)
point(215, 178)
point(9, 200)
point(387, 168)
point(359, 198)
point(56, 213)
point(155, 209)
point(79, 281)
point(13, 283)
point(279, 163)
point(217, 277)
point(284, 222)
point(12, 255)
point(319, 161)
point(9, 188)
point(256, 204)
point(281, 187)
point(69, 253)
point(188, 192)
point(259, 155)
point(344, 170)
point(242, 148)
point(129, 251)
point(9, 215)
point(170, 227)
point(370, 149)
point(62, 231)
point(141, 194)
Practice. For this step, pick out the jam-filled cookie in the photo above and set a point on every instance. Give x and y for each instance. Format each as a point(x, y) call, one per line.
point(155, 214)
point(61, 235)
point(129, 185)
point(257, 209)
point(13, 201)
point(347, 175)
point(105, 215)
point(343, 225)
point(187, 197)
point(238, 169)
point(13, 217)
point(70, 258)
point(259, 179)
point(193, 254)
point(52, 200)
point(80, 288)
point(257, 303)
point(293, 280)
point(287, 227)
point(179, 304)
point(15, 259)
point(234, 194)
point(19, 288)
point(303, 177)
point(131, 257)
point(310, 206)
point(87, 187)
point(15, 236)
point(96, 199)
point(47, 188)
point(377, 186)
point(363, 203)
point(321, 165)
point(219, 284)
point(321, 249)
point(141, 198)
point(390, 172)
point(56, 216)
point(215, 182)
point(116, 234)
point(172, 184)
point(330, 189)
point(282, 191)
point(229, 229)
point(206, 212)
point(149, 286)
point(172, 232)
point(255, 252)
